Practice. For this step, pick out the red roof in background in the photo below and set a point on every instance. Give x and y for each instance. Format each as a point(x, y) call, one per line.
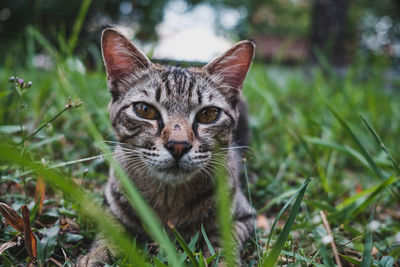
point(282, 48)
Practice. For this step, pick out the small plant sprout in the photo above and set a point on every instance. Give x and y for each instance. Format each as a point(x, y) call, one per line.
point(73, 104)
point(20, 84)
point(70, 104)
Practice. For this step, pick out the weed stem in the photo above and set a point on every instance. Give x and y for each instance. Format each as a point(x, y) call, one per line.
point(45, 124)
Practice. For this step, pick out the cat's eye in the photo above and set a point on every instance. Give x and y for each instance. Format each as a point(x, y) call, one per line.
point(146, 111)
point(208, 115)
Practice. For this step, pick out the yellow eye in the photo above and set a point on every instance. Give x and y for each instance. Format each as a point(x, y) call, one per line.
point(146, 111)
point(208, 115)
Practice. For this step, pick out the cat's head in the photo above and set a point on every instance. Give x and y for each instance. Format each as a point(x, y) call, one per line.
point(172, 122)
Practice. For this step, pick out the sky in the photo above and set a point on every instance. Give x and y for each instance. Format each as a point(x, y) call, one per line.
point(190, 35)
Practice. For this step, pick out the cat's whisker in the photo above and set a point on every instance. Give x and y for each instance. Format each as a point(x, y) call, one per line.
point(207, 169)
point(139, 168)
point(218, 162)
point(234, 147)
point(209, 172)
point(134, 166)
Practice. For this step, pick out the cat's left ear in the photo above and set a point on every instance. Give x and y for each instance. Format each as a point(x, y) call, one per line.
point(232, 66)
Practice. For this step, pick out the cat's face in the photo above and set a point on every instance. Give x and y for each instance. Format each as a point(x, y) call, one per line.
point(172, 122)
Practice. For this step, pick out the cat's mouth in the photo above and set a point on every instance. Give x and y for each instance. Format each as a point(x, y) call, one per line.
point(175, 169)
point(176, 173)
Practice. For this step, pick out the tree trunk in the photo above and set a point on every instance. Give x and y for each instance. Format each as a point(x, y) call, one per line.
point(330, 32)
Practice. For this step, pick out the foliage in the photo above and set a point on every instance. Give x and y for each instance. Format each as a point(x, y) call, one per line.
point(56, 20)
point(375, 23)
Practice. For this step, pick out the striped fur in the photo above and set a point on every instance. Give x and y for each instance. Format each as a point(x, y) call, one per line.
point(181, 191)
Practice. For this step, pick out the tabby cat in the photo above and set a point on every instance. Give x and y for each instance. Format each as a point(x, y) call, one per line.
point(172, 124)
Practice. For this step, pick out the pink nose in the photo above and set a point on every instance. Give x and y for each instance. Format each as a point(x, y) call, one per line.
point(177, 149)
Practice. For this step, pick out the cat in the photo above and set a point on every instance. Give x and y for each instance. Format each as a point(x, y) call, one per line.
point(172, 124)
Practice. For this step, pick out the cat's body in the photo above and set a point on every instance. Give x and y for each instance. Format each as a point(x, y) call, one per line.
point(173, 126)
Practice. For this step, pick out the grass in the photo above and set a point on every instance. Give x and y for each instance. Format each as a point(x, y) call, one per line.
point(340, 130)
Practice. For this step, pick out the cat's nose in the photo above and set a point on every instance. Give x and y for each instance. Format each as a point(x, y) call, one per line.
point(178, 149)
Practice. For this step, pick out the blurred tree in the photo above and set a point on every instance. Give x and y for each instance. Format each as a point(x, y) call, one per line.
point(329, 30)
point(331, 26)
point(277, 17)
point(380, 27)
point(55, 19)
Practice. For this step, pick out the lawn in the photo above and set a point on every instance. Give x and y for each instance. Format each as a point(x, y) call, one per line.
point(339, 127)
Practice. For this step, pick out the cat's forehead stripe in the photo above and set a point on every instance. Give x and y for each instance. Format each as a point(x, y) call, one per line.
point(199, 96)
point(178, 77)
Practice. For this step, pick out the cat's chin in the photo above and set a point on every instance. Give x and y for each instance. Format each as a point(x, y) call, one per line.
point(174, 176)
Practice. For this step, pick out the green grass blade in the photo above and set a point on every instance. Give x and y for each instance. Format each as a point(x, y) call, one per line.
point(72, 162)
point(202, 261)
point(363, 150)
point(209, 246)
point(158, 263)
point(252, 215)
point(326, 257)
point(277, 199)
point(372, 198)
point(67, 163)
point(322, 205)
point(287, 204)
point(338, 147)
point(224, 217)
point(353, 199)
point(213, 257)
point(184, 245)
point(373, 192)
point(380, 143)
point(367, 253)
point(270, 260)
point(193, 241)
point(301, 258)
point(78, 24)
point(43, 42)
point(350, 260)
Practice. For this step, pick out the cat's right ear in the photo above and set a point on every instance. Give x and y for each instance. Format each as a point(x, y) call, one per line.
point(121, 57)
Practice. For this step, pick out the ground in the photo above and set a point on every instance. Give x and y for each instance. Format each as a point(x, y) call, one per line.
point(340, 128)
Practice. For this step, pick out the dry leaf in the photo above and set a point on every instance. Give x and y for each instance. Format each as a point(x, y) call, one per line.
point(40, 193)
point(67, 224)
point(30, 239)
point(359, 188)
point(5, 246)
point(56, 262)
point(12, 217)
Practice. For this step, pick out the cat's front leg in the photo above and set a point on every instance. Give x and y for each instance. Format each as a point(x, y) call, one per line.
point(99, 255)
point(244, 219)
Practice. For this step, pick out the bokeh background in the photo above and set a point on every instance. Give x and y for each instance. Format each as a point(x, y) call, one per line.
point(324, 102)
point(288, 31)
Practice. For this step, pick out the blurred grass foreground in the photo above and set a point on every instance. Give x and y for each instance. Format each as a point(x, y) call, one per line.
point(317, 109)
